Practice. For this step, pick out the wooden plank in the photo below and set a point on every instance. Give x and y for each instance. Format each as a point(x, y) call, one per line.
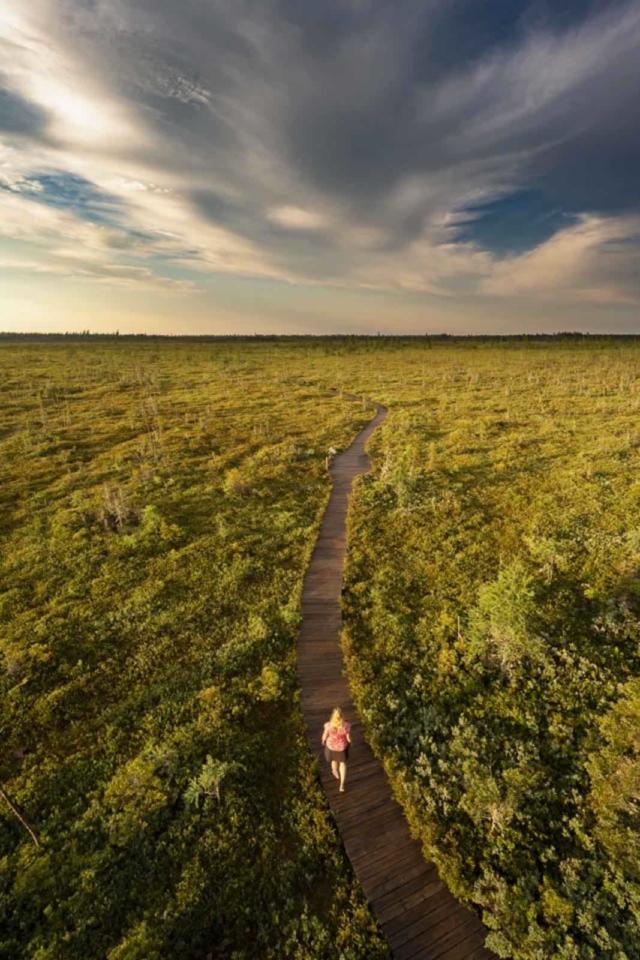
point(373, 857)
point(372, 803)
point(371, 816)
point(480, 953)
point(387, 874)
point(364, 843)
point(403, 875)
point(417, 898)
point(464, 949)
point(385, 901)
point(445, 946)
point(422, 905)
point(387, 862)
point(383, 824)
point(429, 915)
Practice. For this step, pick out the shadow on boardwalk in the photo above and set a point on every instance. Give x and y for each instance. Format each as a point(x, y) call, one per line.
point(419, 917)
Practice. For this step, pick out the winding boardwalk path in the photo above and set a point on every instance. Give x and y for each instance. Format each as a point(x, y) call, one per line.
point(419, 917)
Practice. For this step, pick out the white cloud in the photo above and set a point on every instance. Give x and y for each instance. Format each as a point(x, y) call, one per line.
point(156, 105)
point(296, 218)
point(85, 269)
point(595, 261)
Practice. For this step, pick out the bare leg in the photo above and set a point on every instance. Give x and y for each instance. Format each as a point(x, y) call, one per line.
point(334, 769)
point(343, 776)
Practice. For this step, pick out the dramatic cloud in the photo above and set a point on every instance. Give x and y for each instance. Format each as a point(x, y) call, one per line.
point(595, 261)
point(437, 149)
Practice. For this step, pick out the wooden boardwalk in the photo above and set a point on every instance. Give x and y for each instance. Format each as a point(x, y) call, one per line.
point(419, 917)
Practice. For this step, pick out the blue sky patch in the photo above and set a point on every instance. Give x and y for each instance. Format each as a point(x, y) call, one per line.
point(67, 191)
point(513, 224)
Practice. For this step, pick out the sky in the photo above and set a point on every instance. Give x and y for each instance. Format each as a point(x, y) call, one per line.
point(320, 166)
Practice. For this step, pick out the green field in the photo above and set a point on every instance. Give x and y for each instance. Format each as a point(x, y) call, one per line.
point(159, 501)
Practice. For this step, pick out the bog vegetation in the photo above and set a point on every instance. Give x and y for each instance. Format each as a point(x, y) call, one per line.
point(158, 507)
point(493, 636)
point(159, 503)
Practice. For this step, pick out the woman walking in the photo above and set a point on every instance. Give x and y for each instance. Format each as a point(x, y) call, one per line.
point(336, 740)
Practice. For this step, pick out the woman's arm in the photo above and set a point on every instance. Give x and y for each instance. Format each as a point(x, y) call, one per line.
point(325, 734)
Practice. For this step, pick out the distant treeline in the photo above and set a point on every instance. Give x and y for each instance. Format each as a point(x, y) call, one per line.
point(572, 337)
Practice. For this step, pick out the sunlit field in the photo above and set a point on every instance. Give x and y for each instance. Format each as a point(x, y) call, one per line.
point(159, 506)
point(159, 503)
point(493, 636)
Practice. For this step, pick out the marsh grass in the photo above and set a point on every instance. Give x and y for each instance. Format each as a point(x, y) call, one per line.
point(492, 606)
point(158, 505)
point(158, 508)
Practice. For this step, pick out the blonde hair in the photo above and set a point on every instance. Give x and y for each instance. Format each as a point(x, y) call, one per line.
point(337, 720)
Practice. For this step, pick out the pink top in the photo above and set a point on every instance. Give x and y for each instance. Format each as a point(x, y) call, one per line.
point(337, 739)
